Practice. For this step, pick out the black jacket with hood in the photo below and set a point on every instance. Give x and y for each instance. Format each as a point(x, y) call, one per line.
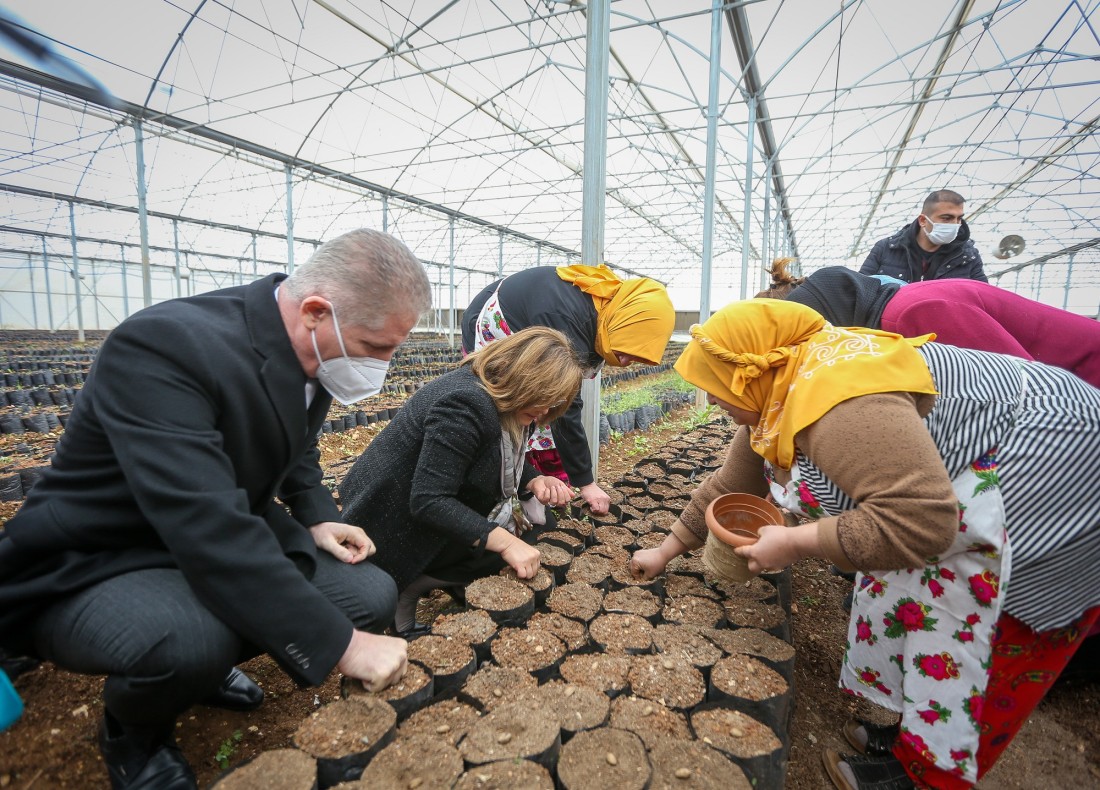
point(900, 256)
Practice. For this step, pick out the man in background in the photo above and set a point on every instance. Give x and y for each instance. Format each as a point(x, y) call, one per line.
point(935, 246)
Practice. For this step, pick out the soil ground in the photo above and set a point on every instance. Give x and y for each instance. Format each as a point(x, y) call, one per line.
point(54, 744)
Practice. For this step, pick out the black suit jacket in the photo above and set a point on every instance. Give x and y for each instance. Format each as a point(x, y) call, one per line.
point(431, 477)
point(191, 422)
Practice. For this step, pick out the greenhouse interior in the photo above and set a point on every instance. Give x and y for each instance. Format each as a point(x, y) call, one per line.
point(156, 150)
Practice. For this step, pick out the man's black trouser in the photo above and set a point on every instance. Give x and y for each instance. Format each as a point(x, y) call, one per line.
point(163, 651)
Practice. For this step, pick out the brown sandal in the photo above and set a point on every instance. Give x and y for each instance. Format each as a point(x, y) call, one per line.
point(880, 737)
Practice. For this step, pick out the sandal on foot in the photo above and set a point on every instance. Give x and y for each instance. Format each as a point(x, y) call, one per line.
point(880, 737)
point(882, 772)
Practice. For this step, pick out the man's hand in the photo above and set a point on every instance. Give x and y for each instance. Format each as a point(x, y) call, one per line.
point(598, 502)
point(551, 491)
point(345, 542)
point(378, 661)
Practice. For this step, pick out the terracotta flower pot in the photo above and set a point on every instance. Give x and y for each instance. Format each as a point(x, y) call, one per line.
point(734, 520)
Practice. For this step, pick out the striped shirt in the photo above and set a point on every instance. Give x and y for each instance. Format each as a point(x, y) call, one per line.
point(1045, 423)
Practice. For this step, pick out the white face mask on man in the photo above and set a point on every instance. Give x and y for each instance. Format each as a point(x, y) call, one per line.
point(348, 379)
point(943, 232)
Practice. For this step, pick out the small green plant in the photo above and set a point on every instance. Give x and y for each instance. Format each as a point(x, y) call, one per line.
point(640, 447)
point(809, 601)
point(227, 749)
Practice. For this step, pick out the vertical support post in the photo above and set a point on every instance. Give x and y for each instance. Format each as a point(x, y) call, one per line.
point(143, 217)
point(289, 220)
point(596, 70)
point(385, 213)
point(451, 288)
point(255, 260)
point(34, 296)
point(176, 254)
point(95, 294)
point(538, 254)
point(76, 275)
point(46, 275)
point(1069, 274)
point(765, 248)
point(500, 253)
point(125, 285)
point(712, 157)
point(746, 244)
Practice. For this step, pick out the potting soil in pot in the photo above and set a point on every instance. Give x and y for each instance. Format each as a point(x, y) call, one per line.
point(448, 720)
point(621, 634)
point(694, 610)
point(649, 720)
point(531, 650)
point(576, 601)
point(606, 673)
point(514, 731)
point(573, 632)
point(695, 765)
point(412, 762)
point(670, 680)
point(280, 769)
point(604, 758)
point(506, 775)
point(686, 642)
point(492, 685)
point(632, 600)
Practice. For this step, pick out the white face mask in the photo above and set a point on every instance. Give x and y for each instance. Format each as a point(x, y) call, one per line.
point(943, 232)
point(349, 379)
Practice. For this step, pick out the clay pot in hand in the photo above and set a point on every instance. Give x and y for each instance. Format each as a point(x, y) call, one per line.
point(734, 520)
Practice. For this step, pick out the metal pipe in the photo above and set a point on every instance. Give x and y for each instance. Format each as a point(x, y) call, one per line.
point(143, 217)
point(125, 286)
point(76, 276)
point(34, 296)
point(385, 213)
point(1069, 275)
point(750, 140)
point(765, 248)
point(289, 219)
point(46, 275)
point(176, 250)
point(255, 263)
point(500, 253)
point(712, 157)
point(594, 189)
point(451, 288)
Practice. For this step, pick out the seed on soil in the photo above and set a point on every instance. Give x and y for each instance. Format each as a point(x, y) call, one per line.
point(679, 764)
point(619, 634)
point(614, 536)
point(442, 655)
point(473, 626)
point(498, 595)
point(414, 762)
point(632, 600)
point(735, 733)
point(683, 773)
point(606, 757)
point(456, 719)
point(745, 677)
point(532, 734)
point(531, 651)
point(693, 610)
point(337, 730)
point(589, 569)
point(672, 682)
point(492, 685)
point(577, 601)
point(605, 673)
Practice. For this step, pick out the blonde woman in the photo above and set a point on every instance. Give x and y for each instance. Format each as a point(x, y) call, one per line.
point(440, 491)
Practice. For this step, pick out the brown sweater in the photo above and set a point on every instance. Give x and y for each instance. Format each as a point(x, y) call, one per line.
point(876, 449)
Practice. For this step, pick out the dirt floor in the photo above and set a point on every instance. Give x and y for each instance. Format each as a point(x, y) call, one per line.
point(54, 744)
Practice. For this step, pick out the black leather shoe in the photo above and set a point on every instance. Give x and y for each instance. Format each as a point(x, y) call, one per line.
point(141, 759)
point(415, 632)
point(237, 692)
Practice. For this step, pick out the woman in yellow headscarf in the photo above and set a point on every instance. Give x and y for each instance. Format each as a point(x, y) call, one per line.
point(918, 465)
point(608, 320)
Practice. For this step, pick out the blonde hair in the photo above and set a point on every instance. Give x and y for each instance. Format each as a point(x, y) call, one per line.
point(536, 366)
point(783, 282)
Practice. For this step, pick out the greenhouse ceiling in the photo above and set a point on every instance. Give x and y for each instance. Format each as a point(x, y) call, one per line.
point(459, 125)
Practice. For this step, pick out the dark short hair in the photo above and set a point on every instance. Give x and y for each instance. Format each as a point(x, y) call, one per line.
point(941, 196)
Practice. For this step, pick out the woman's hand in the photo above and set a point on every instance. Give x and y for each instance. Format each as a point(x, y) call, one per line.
point(550, 491)
point(780, 546)
point(522, 558)
point(648, 563)
point(345, 542)
point(597, 500)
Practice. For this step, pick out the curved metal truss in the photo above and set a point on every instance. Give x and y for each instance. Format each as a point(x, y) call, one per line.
point(242, 133)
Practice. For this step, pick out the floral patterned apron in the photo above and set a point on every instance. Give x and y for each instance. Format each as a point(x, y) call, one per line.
point(919, 639)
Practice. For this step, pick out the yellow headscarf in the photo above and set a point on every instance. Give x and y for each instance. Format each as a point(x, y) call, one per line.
point(633, 317)
point(783, 360)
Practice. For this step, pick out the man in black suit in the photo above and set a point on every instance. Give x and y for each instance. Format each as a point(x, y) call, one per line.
point(176, 530)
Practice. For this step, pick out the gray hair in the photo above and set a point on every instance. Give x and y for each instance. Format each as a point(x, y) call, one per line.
point(367, 275)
